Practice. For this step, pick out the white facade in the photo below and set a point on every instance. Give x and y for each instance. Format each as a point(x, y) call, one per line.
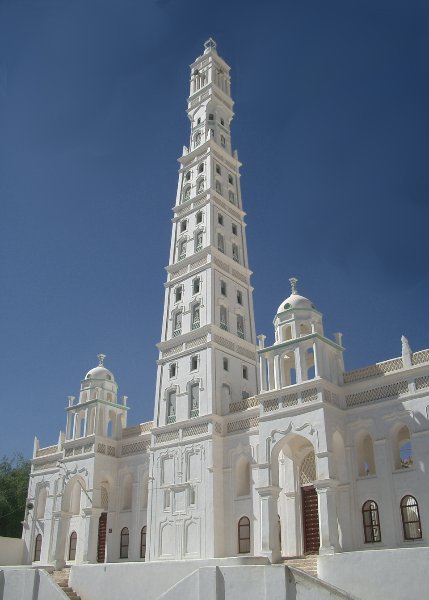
point(254, 450)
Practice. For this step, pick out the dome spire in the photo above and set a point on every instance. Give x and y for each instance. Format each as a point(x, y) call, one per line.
point(101, 358)
point(210, 44)
point(293, 281)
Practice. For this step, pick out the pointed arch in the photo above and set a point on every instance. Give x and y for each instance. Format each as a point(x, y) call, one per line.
point(242, 476)
point(41, 502)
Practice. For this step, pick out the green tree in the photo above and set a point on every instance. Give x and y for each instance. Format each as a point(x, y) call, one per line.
point(14, 476)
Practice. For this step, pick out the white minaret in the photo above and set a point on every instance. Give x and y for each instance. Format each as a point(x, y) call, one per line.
point(207, 351)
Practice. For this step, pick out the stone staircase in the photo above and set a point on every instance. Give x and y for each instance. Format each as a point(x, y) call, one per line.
point(61, 578)
point(308, 563)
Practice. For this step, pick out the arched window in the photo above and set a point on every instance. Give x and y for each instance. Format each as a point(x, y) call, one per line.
point(125, 542)
point(200, 185)
point(198, 241)
point(188, 176)
point(171, 407)
point(41, 503)
point(199, 217)
point(196, 285)
point(195, 317)
point(143, 542)
point(177, 324)
point(365, 455)
point(72, 545)
point(371, 522)
point(201, 168)
point(127, 492)
point(242, 474)
point(410, 518)
point(37, 547)
point(109, 431)
point(194, 400)
point(218, 186)
point(403, 450)
point(243, 535)
point(182, 250)
point(75, 498)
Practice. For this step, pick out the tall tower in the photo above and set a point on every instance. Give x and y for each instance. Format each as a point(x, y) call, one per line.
point(207, 354)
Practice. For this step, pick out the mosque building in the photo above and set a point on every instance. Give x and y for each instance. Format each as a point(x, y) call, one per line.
point(255, 451)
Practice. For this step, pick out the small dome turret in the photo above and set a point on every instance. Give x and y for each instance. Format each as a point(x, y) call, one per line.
point(99, 383)
point(295, 300)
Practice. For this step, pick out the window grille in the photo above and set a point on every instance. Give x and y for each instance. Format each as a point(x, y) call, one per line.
point(240, 327)
point(223, 318)
point(37, 547)
point(182, 250)
point(143, 542)
point(371, 522)
point(195, 401)
point(125, 542)
point(177, 329)
point(171, 407)
point(220, 243)
point(411, 518)
point(196, 317)
point(199, 241)
point(244, 535)
point(72, 545)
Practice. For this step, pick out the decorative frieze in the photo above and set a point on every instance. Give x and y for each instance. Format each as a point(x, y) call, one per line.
point(138, 447)
point(197, 429)
point(380, 393)
point(242, 425)
point(376, 370)
point(243, 404)
point(420, 357)
point(47, 451)
point(422, 382)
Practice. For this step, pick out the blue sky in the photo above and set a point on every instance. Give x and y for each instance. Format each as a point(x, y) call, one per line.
point(332, 127)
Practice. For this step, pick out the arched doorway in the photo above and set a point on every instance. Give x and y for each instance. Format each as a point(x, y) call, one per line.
point(310, 505)
point(294, 472)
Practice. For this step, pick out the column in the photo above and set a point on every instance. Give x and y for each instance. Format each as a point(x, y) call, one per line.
point(316, 358)
point(328, 527)
point(263, 373)
point(270, 542)
point(277, 383)
point(270, 361)
point(300, 369)
point(90, 530)
point(60, 525)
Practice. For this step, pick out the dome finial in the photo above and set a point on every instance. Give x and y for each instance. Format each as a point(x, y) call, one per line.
point(293, 281)
point(101, 358)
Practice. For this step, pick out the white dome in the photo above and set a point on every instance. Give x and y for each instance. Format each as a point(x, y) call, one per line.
point(100, 371)
point(295, 301)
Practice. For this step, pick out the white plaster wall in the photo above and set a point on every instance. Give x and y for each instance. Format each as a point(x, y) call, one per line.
point(11, 551)
point(28, 584)
point(400, 571)
point(127, 580)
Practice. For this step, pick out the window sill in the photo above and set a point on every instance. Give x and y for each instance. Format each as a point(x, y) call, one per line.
point(404, 470)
